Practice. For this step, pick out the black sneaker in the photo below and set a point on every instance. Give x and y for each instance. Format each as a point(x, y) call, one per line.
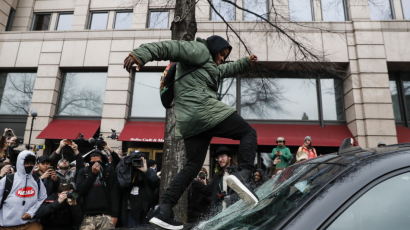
point(237, 182)
point(163, 216)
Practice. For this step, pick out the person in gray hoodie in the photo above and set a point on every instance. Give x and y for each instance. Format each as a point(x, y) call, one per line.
point(25, 197)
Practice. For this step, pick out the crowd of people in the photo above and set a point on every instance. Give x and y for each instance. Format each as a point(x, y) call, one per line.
point(68, 189)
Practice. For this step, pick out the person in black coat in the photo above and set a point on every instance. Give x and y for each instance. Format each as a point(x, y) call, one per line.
point(47, 174)
point(138, 183)
point(60, 211)
point(97, 185)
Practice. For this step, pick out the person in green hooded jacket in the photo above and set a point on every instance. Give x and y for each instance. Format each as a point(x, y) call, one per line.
point(199, 114)
point(281, 155)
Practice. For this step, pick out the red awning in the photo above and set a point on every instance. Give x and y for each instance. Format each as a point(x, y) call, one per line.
point(403, 134)
point(69, 129)
point(330, 135)
point(144, 131)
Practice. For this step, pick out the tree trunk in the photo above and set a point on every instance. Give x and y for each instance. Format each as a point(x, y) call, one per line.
point(183, 28)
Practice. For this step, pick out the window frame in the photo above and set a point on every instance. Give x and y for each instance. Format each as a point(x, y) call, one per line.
point(115, 18)
point(393, 15)
point(317, 78)
point(157, 10)
point(397, 77)
point(60, 92)
point(35, 20)
point(58, 19)
point(210, 13)
point(147, 69)
point(362, 191)
point(345, 9)
point(267, 11)
point(10, 19)
point(90, 18)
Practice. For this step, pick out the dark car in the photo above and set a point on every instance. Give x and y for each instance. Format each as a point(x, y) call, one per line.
point(354, 189)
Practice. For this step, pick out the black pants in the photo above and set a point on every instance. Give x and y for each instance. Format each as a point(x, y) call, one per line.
point(233, 127)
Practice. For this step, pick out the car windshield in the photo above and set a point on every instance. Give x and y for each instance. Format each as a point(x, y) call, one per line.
point(279, 196)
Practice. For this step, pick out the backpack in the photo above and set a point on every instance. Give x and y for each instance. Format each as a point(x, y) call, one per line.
point(9, 184)
point(166, 88)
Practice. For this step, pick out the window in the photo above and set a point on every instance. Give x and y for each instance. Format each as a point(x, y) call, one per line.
point(123, 20)
point(406, 8)
point(41, 21)
point(82, 94)
point(65, 21)
point(400, 93)
point(16, 90)
point(380, 10)
point(225, 9)
point(260, 7)
point(300, 10)
point(10, 19)
point(384, 206)
point(146, 101)
point(285, 98)
point(333, 10)
point(98, 21)
point(158, 19)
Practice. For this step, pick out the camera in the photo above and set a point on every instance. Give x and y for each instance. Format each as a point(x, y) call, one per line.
point(136, 159)
point(202, 175)
point(72, 195)
point(98, 143)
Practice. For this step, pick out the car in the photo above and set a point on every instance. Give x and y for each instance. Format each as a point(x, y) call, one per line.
point(353, 189)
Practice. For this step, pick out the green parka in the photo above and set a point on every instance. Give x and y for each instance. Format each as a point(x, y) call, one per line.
point(197, 108)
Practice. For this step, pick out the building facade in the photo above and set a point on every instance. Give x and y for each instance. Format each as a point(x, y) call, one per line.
point(64, 60)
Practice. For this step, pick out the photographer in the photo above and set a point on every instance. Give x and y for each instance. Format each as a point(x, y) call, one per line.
point(138, 183)
point(60, 211)
point(65, 172)
point(98, 187)
point(199, 197)
point(47, 174)
point(8, 143)
point(68, 150)
point(5, 169)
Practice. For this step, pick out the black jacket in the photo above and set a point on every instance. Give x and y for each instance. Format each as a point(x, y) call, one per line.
point(99, 192)
point(147, 183)
point(199, 201)
point(54, 215)
point(51, 186)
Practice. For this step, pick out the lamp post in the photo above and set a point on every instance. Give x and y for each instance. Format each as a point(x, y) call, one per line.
point(33, 116)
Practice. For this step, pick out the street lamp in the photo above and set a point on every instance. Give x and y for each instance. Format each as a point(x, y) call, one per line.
point(33, 116)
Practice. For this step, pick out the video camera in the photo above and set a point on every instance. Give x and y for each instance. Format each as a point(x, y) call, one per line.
point(99, 143)
point(136, 159)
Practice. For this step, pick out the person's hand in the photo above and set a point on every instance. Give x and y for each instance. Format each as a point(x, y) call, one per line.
point(114, 221)
point(74, 146)
point(96, 168)
point(253, 58)
point(26, 216)
point(144, 168)
point(276, 161)
point(278, 153)
point(130, 61)
point(62, 197)
point(71, 202)
point(46, 174)
point(7, 169)
point(107, 148)
point(53, 175)
point(11, 141)
point(61, 145)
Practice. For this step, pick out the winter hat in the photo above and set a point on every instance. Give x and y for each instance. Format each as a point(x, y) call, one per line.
point(216, 44)
point(223, 150)
point(280, 139)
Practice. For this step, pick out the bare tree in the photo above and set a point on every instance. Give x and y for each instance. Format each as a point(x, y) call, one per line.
point(17, 93)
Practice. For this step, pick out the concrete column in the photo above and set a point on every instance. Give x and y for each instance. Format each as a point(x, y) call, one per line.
point(118, 91)
point(81, 14)
point(369, 110)
point(358, 10)
point(24, 15)
point(46, 89)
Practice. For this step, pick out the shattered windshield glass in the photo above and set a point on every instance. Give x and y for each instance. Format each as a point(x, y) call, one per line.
point(278, 197)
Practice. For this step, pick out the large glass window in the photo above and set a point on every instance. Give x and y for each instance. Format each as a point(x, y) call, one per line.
point(380, 10)
point(300, 10)
point(400, 93)
point(65, 21)
point(227, 93)
point(260, 7)
point(10, 19)
point(332, 99)
point(16, 90)
point(41, 21)
point(82, 94)
point(225, 9)
point(146, 101)
point(98, 21)
point(386, 206)
point(123, 20)
point(395, 99)
point(158, 19)
point(333, 10)
point(406, 8)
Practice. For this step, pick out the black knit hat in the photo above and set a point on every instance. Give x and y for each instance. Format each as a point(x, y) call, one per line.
point(216, 44)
